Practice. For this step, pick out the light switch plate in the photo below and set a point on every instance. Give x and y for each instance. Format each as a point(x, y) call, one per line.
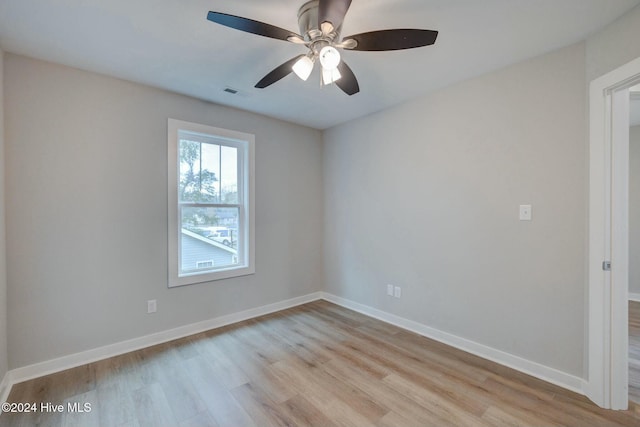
point(525, 213)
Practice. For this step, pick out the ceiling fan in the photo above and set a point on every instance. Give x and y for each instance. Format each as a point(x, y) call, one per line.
point(320, 23)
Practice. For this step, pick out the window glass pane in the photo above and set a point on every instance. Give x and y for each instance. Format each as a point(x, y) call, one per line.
point(211, 164)
point(229, 175)
point(209, 238)
point(199, 171)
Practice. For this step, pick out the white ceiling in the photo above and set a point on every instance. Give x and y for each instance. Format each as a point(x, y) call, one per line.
point(170, 44)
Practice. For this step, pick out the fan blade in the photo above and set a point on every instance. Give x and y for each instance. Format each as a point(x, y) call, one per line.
point(392, 39)
point(278, 73)
point(332, 11)
point(348, 82)
point(251, 26)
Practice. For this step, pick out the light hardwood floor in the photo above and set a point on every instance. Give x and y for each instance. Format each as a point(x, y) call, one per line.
point(318, 364)
point(634, 351)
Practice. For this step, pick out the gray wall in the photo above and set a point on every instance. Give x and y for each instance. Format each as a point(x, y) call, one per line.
point(615, 45)
point(425, 196)
point(634, 210)
point(87, 211)
point(3, 252)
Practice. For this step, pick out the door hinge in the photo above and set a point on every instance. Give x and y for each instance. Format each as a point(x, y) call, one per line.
point(606, 265)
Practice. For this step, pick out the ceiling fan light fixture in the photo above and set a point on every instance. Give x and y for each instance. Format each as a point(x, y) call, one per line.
point(330, 75)
point(320, 23)
point(303, 67)
point(329, 57)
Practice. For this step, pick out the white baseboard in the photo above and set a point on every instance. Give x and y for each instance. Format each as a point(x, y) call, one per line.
point(5, 388)
point(78, 359)
point(537, 370)
point(634, 296)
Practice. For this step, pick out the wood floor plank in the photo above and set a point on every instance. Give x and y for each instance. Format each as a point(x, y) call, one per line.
point(221, 358)
point(182, 395)
point(224, 409)
point(152, 407)
point(245, 358)
point(381, 392)
point(304, 414)
point(118, 408)
point(77, 414)
point(296, 340)
point(437, 378)
point(512, 417)
point(201, 419)
point(331, 399)
point(260, 407)
point(114, 369)
point(440, 407)
point(313, 365)
point(421, 348)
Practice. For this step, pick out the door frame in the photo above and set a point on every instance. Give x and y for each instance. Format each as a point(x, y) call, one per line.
point(607, 384)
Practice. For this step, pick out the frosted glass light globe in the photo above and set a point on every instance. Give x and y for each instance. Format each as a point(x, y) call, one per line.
point(329, 57)
point(303, 67)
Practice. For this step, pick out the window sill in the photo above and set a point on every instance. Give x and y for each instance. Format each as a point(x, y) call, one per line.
point(192, 279)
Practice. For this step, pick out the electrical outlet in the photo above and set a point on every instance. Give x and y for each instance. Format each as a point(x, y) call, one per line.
point(152, 306)
point(390, 290)
point(397, 292)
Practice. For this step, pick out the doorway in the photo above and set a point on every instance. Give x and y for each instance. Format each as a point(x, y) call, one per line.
point(608, 309)
point(634, 244)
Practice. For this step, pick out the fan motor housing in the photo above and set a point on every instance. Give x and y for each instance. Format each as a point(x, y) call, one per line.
point(308, 23)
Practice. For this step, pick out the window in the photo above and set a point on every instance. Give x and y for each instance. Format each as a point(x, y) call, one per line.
point(210, 203)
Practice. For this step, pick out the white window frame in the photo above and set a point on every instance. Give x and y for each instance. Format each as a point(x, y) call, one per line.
point(246, 149)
